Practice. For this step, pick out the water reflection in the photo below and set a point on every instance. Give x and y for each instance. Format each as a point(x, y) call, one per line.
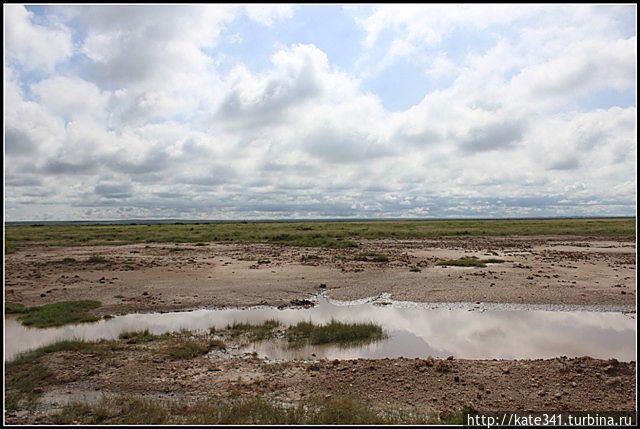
point(412, 331)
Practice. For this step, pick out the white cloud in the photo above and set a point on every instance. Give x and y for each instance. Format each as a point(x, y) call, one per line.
point(70, 97)
point(144, 123)
point(269, 14)
point(32, 45)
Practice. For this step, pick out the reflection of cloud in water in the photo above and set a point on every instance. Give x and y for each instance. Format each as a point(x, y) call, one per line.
point(413, 331)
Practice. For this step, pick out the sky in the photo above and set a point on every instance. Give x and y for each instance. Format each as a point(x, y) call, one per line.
point(319, 111)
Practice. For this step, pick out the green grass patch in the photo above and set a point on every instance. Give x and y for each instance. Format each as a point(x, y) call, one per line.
point(469, 261)
point(320, 234)
point(59, 313)
point(9, 247)
point(14, 308)
point(253, 332)
point(344, 410)
point(371, 257)
point(333, 332)
point(97, 259)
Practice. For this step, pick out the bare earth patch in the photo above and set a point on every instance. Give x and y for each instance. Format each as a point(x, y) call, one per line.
point(536, 270)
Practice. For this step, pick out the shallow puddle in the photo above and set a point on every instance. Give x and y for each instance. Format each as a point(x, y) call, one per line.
point(464, 331)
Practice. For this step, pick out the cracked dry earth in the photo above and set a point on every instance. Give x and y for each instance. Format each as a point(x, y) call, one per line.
point(162, 277)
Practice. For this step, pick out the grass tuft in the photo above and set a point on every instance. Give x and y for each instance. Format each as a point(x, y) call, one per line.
point(333, 332)
point(254, 332)
point(59, 313)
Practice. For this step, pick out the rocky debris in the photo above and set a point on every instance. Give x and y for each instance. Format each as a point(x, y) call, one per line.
point(301, 303)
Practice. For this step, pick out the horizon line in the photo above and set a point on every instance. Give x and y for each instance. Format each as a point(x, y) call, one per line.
point(337, 219)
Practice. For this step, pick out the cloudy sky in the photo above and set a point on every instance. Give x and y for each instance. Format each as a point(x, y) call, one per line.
point(250, 112)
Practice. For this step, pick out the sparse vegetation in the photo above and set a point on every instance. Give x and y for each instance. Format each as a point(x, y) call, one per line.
point(371, 257)
point(469, 261)
point(59, 313)
point(68, 260)
point(137, 337)
point(217, 344)
point(307, 259)
point(254, 332)
point(97, 259)
point(191, 348)
point(333, 332)
point(14, 308)
point(9, 247)
point(322, 234)
point(25, 376)
point(253, 410)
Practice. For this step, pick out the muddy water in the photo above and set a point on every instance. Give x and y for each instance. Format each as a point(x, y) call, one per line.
point(464, 331)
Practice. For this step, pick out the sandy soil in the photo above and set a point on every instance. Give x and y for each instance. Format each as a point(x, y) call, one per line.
point(165, 276)
point(432, 385)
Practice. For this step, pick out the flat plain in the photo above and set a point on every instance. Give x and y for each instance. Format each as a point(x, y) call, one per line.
point(168, 267)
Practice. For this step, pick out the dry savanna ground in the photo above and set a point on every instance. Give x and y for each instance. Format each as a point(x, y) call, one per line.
point(558, 266)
